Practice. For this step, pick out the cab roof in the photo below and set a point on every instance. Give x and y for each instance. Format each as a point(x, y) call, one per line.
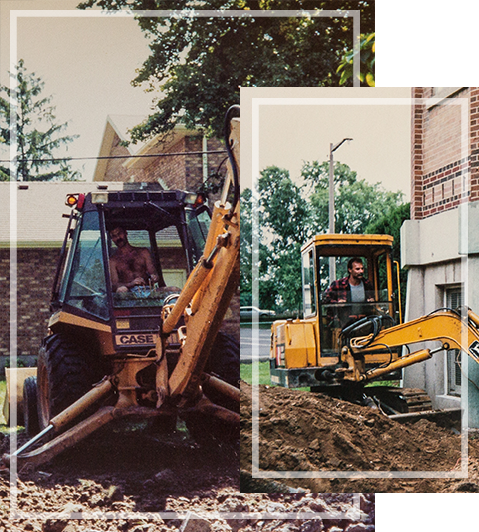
point(344, 245)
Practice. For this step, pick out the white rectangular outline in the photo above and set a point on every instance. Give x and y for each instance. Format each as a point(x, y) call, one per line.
point(256, 103)
point(353, 514)
point(14, 16)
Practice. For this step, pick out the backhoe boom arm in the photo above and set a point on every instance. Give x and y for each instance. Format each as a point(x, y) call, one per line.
point(453, 330)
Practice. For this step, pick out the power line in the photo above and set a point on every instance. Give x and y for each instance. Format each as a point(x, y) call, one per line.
point(101, 157)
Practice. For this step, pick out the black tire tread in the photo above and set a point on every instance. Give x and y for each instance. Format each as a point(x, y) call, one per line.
point(224, 359)
point(224, 362)
point(71, 371)
point(30, 407)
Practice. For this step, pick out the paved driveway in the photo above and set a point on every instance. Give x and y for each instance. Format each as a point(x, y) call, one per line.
point(261, 338)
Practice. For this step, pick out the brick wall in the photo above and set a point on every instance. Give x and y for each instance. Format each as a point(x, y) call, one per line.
point(115, 169)
point(4, 302)
point(417, 128)
point(474, 140)
point(35, 272)
point(184, 172)
point(443, 174)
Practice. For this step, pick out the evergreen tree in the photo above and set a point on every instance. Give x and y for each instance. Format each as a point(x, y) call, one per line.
point(34, 131)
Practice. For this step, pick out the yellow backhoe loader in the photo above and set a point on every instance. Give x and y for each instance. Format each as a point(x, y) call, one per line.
point(345, 341)
point(150, 349)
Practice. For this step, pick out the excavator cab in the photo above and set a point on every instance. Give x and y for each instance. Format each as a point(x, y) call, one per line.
point(334, 258)
point(171, 226)
point(307, 352)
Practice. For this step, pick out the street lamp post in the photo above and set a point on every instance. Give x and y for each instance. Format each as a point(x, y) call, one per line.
point(332, 149)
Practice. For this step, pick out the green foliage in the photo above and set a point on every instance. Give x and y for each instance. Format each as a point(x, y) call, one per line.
point(260, 258)
point(367, 57)
point(37, 135)
point(290, 214)
point(199, 63)
point(358, 204)
point(246, 261)
point(390, 224)
point(285, 216)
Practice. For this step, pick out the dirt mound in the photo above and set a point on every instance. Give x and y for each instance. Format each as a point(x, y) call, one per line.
point(302, 431)
point(131, 478)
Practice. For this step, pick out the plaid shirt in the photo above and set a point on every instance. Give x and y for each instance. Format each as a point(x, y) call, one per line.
point(341, 291)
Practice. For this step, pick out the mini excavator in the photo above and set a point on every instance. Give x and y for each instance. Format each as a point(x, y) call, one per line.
point(341, 344)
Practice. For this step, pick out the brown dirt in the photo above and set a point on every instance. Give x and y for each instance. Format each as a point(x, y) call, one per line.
point(302, 431)
point(131, 470)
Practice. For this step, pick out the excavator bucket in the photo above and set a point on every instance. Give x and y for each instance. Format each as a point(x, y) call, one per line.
point(16, 377)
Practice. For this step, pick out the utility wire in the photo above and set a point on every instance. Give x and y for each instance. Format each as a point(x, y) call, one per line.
point(116, 156)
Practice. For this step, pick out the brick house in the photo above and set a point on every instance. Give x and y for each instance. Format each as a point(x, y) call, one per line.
point(176, 161)
point(440, 244)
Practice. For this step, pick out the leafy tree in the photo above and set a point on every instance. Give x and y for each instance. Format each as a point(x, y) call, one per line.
point(285, 215)
point(390, 224)
point(37, 134)
point(360, 203)
point(288, 219)
point(199, 63)
point(246, 244)
point(367, 61)
point(258, 256)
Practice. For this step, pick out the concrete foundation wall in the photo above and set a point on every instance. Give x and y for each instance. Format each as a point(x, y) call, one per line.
point(430, 250)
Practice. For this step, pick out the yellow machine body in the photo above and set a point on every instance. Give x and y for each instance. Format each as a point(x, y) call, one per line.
point(337, 345)
point(160, 369)
point(303, 348)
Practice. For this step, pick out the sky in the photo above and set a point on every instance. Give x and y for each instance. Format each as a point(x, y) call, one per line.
point(87, 64)
point(292, 132)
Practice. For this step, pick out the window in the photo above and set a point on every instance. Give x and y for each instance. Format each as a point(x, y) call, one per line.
point(309, 299)
point(170, 253)
point(454, 299)
point(340, 306)
point(198, 226)
point(86, 290)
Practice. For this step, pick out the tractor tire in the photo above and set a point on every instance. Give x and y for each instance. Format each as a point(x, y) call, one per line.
point(65, 372)
point(30, 407)
point(224, 362)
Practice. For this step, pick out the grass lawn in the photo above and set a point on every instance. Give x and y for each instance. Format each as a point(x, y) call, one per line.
point(246, 371)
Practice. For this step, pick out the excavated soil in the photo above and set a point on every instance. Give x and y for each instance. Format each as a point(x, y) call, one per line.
point(129, 478)
point(303, 431)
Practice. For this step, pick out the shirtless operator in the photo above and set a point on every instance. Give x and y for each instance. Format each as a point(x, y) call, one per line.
point(130, 266)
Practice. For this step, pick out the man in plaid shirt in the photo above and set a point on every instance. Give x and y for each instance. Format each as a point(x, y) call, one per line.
point(354, 289)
